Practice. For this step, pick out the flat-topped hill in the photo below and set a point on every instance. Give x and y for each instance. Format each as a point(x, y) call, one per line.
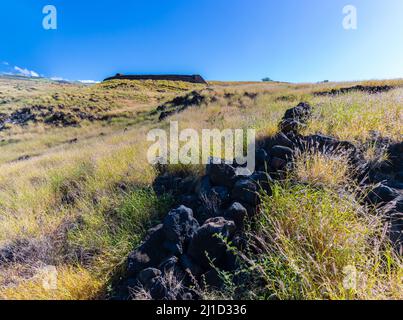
point(168, 77)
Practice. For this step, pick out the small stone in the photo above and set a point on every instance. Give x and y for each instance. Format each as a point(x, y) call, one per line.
point(238, 214)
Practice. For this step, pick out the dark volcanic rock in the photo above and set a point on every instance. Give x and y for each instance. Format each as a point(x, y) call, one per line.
point(147, 255)
point(300, 113)
point(221, 174)
point(220, 196)
point(191, 201)
point(281, 152)
point(159, 290)
point(61, 119)
point(296, 118)
point(213, 280)
point(395, 152)
point(246, 191)
point(22, 116)
point(277, 164)
point(190, 266)
point(368, 89)
point(282, 140)
point(324, 144)
point(187, 185)
point(382, 194)
point(262, 159)
point(179, 227)
point(187, 255)
point(263, 179)
point(180, 104)
point(147, 275)
point(237, 213)
point(208, 244)
point(203, 187)
point(290, 126)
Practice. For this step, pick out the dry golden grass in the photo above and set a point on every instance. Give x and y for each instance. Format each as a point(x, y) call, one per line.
point(355, 115)
point(69, 284)
point(322, 245)
point(316, 168)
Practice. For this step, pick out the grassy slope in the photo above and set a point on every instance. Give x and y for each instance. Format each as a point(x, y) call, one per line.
point(83, 206)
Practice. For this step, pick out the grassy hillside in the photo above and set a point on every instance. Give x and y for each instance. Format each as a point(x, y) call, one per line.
point(75, 185)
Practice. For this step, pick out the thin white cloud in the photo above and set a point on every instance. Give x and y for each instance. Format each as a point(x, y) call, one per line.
point(26, 72)
point(58, 79)
point(88, 81)
point(5, 63)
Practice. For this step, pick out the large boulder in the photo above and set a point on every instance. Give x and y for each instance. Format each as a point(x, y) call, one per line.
point(187, 185)
point(150, 253)
point(289, 126)
point(191, 201)
point(246, 191)
point(277, 164)
point(159, 290)
point(296, 118)
point(147, 276)
point(281, 152)
point(179, 227)
point(222, 174)
point(302, 112)
point(190, 266)
point(282, 140)
point(208, 245)
point(263, 180)
point(262, 159)
point(203, 187)
point(219, 196)
point(237, 213)
point(328, 144)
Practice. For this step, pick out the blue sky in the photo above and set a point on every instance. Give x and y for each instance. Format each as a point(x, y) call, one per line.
point(288, 40)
